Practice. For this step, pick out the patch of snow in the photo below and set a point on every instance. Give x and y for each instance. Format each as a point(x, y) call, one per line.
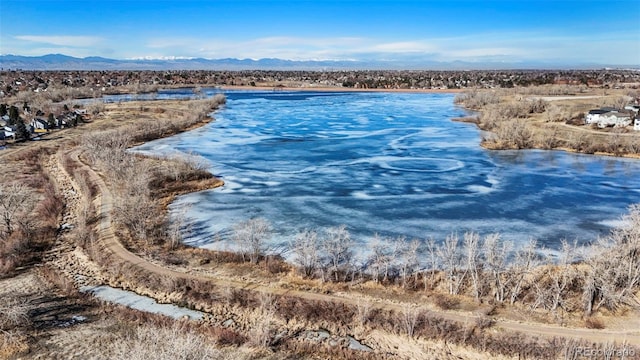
point(138, 302)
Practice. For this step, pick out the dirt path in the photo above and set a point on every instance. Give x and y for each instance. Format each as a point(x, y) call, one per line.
point(109, 242)
point(599, 133)
point(560, 98)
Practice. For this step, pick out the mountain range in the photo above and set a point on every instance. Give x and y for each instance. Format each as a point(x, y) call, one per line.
point(64, 62)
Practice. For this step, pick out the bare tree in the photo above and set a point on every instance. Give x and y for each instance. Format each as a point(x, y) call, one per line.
point(363, 310)
point(613, 275)
point(134, 207)
point(336, 246)
point(409, 318)
point(432, 259)
point(306, 251)
point(407, 258)
point(450, 254)
point(554, 113)
point(138, 213)
point(578, 140)
point(616, 145)
point(109, 149)
point(632, 145)
point(552, 291)
point(472, 259)
point(176, 227)
point(548, 137)
point(180, 165)
point(381, 257)
point(251, 236)
point(621, 101)
point(494, 253)
point(15, 201)
point(513, 134)
point(524, 260)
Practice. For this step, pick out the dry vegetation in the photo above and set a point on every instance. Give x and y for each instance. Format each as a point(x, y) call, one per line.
point(29, 210)
point(573, 285)
point(139, 182)
point(522, 119)
point(486, 275)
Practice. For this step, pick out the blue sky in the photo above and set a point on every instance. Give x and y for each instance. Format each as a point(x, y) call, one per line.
point(560, 32)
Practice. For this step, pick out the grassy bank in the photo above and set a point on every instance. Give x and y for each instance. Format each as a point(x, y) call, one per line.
point(549, 118)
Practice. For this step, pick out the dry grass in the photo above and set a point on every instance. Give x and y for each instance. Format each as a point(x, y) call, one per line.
point(148, 342)
point(519, 119)
point(14, 313)
point(13, 343)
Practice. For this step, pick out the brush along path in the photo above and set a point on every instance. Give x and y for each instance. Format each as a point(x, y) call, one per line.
point(109, 242)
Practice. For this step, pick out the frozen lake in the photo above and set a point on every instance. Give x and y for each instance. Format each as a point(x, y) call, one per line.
point(392, 164)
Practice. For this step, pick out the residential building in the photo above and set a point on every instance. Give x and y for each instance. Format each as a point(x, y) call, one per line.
point(609, 117)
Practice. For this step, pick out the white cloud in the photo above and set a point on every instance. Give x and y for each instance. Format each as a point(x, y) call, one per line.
point(339, 48)
point(480, 47)
point(62, 40)
point(404, 47)
point(160, 57)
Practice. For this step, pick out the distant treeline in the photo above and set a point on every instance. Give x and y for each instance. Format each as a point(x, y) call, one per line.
point(12, 82)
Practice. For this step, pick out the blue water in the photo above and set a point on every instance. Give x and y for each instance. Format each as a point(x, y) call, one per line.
point(389, 163)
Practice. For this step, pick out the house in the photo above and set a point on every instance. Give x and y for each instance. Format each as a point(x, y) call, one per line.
point(608, 117)
point(8, 132)
point(39, 125)
point(634, 108)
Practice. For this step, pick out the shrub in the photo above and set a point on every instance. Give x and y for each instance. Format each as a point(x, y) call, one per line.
point(593, 323)
point(446, 302)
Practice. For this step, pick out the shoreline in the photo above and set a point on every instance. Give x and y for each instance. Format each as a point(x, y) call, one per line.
point(489, 145)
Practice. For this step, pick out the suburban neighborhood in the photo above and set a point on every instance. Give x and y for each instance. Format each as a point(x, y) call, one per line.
point(25, 126)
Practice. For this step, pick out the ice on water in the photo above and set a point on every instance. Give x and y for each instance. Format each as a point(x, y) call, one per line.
point(392, 164)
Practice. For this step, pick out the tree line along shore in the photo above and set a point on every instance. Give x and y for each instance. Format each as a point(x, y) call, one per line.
point(463, 273)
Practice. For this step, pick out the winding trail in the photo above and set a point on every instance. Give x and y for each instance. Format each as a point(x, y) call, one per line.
point(108, 241)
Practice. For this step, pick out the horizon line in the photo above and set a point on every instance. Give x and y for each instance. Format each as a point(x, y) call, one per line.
point(414, 63)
